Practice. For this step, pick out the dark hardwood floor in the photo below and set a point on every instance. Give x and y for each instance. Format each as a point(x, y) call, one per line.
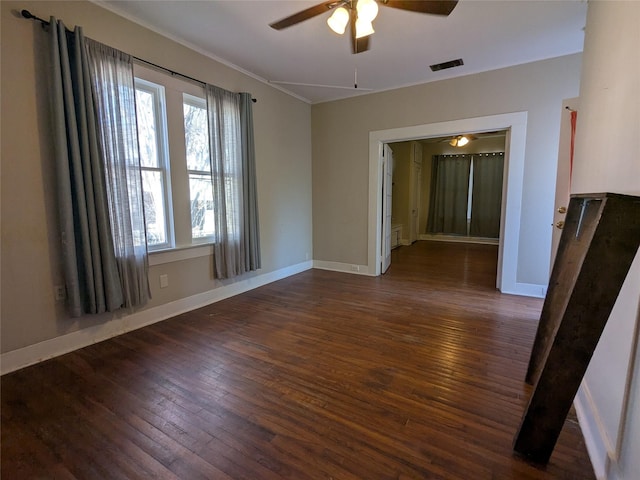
point(417, 374)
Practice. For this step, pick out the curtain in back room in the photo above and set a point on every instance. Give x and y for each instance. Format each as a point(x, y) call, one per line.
point(486, 197)
point(449, 194)
point(466, 195)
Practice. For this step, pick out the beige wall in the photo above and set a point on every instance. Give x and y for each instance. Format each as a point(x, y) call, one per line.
point(30, 266)
point(340, 142)
point(607, 159)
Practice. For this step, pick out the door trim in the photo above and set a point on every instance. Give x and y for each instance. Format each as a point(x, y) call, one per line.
point(387, 195)
point(516, 126)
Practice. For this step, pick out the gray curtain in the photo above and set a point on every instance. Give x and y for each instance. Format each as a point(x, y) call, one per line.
point(92, 263)
point(486, 201)
point(115, 101)
point(252, 258)
point(226, 167)
point(90, 270)
point(236, 248)
point(449, 194)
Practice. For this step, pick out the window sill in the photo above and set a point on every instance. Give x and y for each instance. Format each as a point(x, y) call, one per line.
point(177, 254)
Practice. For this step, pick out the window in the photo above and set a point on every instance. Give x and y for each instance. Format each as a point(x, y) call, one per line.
point(198, 167)
point(177, 179)
point(152, 138)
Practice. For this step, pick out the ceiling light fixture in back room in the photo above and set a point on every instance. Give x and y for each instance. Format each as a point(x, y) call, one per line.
point(461, 140)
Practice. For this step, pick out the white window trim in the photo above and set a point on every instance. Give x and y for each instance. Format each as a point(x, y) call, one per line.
point(163, 158)
point(183, 245)
point(177, 254)
point(198, 102)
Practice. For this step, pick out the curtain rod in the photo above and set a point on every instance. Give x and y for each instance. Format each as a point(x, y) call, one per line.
point(28, 15)
point(469, 154)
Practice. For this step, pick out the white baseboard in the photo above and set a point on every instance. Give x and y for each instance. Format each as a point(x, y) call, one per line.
point(527, 290)
point(32, 354)
point(341, 267)
point(522, 289)
point(592, 431)
point(457, 239)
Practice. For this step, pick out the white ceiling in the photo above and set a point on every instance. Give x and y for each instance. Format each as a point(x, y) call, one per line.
point(486, 34)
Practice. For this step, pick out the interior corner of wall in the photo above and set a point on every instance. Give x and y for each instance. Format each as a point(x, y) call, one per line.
point(594, 434)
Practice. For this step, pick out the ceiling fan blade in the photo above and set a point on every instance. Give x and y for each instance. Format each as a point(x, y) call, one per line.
point(304, 15)
point(358, 45)
point(434, 7)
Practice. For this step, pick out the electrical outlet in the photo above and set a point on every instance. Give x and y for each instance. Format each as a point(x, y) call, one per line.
point(164, 280)
point(355, 268)
point(60, 293)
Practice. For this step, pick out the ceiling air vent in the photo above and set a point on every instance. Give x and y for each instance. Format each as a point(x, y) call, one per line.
point(445, 65)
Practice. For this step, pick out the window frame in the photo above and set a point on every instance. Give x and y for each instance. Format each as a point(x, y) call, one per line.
point(164, 165)
point(183, 246)
point(198, 102)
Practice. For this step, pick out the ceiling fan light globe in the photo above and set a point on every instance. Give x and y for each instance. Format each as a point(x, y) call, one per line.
point(462, 141)
point(338, 20)
point(367, 10)
point(364, 28)
point(454, 142)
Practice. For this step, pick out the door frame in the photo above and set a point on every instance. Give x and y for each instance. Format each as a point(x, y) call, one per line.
point(515, 143)
point(415, 181)
point(387, 202)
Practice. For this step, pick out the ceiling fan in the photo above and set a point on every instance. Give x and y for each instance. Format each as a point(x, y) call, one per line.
point(464, 139)
point(461, 140)
point(359, 14)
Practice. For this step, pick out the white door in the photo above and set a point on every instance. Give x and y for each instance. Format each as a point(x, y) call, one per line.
point(563, 177)
point(415, 179)
point(387, 195)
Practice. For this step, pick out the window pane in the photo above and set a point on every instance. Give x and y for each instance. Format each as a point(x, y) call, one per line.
point(196, 138)
point(155, 215)
point(202, 222)
point(147, 131)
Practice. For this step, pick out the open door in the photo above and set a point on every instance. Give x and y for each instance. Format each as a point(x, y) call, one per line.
point(387, 195)
point(415, 182)
point(563, 178)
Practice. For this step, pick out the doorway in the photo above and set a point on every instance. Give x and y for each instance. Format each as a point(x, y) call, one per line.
point(444, 192)
point(515, 124)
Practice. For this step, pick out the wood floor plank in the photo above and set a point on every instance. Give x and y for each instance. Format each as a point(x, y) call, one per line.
point(417, 374)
